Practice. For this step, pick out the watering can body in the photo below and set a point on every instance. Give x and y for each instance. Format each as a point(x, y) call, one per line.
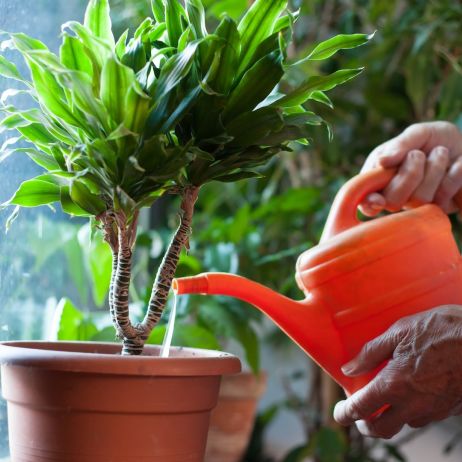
point(358, 281)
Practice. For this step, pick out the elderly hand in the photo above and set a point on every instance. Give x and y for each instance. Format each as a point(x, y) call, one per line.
point(422, 381)
point(429, 158)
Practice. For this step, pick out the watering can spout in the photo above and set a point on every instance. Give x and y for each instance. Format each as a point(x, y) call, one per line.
point(267, 300)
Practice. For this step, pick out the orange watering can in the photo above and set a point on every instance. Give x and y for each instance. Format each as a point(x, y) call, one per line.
point(359, 280)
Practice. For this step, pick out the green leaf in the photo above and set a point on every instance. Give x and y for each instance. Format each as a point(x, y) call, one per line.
point(321, 97)
point(173, 14)
point(221, 321)
point(98, 255)
point(50, 94)
point(24, 43)
point(116, 79)
point(340, 42)
point(98, 50)
point(196, 16)
point(73, 56)
point(316, 83)
point(107, 334)
point(233, 8)
point(35, 192)
point(98, 20)
point(135, 55)
point(67, 320)
point(136, 109)
point(69, 206)
point(40, 158)
point(13, 121)
point(249, 341)
point(227, 30)
point(174, 71)
point(256, 25)
point(255, 86)
point(250, 127)
point(328, 444)
point(158, 10)
point(121, 44)
point(9, 70)
point(89, 202)
point(180, 111)
point(233, 177)
point(84, 98)
point(185, 335)
point(71, 324)
point(37, 134)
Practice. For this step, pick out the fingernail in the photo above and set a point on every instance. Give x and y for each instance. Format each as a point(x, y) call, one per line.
point(417, 155)
point(441, 151)
point(385, 155)
point(348, 368)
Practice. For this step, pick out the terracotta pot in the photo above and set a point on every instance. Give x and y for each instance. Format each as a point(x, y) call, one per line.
point(83, 402)
point(233, 418)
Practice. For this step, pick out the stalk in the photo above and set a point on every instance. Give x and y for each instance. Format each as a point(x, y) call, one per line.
point(132, 343)
point(167, 268)
point(111, 237)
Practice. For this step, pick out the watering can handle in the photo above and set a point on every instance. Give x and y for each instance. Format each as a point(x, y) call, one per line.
point(344, 213)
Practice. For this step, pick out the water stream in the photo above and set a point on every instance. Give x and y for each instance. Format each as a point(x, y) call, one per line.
point(165, 350)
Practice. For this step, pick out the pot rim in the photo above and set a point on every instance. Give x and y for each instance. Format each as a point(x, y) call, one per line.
point(105, 358)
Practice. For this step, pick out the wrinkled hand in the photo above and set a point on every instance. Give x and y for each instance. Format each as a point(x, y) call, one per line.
point(429, 160)
point(422, 382)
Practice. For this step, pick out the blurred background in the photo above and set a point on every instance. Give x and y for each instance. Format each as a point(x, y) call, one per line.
point(54, 281)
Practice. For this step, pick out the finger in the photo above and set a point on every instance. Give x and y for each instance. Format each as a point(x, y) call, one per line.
point(364, 403)
point(394, 152)
point(450, 185)
point(373, 204)
point(405, 182)
point(375, 352)
point(435, 170)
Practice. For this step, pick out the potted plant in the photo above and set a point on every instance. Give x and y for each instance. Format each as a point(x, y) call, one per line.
point(116, 125)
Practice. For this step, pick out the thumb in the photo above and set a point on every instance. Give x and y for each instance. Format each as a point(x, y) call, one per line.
point(373, 354)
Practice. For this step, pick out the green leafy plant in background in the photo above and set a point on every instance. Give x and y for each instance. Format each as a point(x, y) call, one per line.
point(120, 124)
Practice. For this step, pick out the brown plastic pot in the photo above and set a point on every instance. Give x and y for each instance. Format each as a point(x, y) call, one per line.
point(233, 419)
point(83, 402)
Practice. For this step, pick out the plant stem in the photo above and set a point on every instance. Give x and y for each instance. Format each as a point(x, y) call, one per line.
point(111, 237)
point(133, 345)
point(167, 268)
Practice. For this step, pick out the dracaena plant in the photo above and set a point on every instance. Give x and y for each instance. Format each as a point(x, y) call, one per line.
point(118, 124)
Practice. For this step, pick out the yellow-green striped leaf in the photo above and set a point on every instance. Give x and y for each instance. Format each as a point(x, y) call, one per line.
point(255, 86)
point(9, 70)
point(196, 16)
point(116, 79)
point(340, 42)
point(136, 109)
point(316, 83)
point(82, 196)
point(35, 192)
point(227, 30)
point(158, 10)
point(50, 94)
point(98, 20)
point(256, 25)
point(73, 56)
point(68, 205)
point(173, 14)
